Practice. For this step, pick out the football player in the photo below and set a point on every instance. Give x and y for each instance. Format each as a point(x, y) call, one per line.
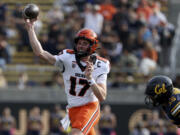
point(160, 92)
point(84, 77)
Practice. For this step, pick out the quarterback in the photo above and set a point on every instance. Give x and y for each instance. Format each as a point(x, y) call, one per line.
point(84, 75)
point(160, 92)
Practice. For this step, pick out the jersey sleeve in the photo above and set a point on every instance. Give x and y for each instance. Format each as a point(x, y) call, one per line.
point(105, 66)
point(175, 107)
point(101, 78)
point(101, 74)
point(60, 60)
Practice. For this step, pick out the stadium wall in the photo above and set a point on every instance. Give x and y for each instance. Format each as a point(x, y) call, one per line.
point(124, 103)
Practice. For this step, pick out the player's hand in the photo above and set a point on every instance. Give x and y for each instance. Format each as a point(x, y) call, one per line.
point(29, 23)
point(89, 69)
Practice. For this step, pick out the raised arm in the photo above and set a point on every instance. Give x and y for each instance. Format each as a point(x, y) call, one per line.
point(35, 44)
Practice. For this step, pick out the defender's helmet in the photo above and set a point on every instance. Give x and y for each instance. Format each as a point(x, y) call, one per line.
point(158, 90)
point(89, 35)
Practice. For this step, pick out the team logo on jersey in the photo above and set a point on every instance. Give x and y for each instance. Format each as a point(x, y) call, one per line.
point(73, 64)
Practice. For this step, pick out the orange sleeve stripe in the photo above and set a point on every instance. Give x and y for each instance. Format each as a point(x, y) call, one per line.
point(90, 122)
point(70, 51)
point(101, 58)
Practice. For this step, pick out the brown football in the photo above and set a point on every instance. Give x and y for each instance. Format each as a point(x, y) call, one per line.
point(31, 11)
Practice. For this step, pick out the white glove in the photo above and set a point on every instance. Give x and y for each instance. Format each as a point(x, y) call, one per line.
point(65, 122)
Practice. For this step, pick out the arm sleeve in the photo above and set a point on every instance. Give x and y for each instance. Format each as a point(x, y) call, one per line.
point(60, 65)
point(175, 109)
point(106, 68)
point(101, 78)
point(60, 61)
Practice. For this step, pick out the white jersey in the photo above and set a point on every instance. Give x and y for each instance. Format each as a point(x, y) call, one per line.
point(77, 88)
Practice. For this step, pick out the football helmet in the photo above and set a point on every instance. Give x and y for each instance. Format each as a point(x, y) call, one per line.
point(90, 36)
point(158, 90)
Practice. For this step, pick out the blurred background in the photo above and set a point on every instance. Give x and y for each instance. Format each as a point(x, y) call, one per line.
point(140, 38)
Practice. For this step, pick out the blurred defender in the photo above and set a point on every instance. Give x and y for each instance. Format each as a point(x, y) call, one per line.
point(84, 77)
point(160, 92)
point(7, 122)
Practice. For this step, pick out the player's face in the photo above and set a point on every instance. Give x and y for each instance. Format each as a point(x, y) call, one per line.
point(82, 45)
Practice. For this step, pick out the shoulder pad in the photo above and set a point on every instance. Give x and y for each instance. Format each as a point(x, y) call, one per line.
point(70, 51)
point(66, 51)
point(102, 59)
point(176, 91)
point(104, 64)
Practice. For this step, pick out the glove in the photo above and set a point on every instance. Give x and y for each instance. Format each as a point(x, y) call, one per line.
point(65, 122)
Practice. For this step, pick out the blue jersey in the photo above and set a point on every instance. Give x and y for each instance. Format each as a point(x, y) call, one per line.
point(173, 108)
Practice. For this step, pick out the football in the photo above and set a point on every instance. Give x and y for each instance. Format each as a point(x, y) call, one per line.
point(31, 11)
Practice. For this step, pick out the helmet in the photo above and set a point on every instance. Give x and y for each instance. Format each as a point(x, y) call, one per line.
point(89, 35)
point(158, 90)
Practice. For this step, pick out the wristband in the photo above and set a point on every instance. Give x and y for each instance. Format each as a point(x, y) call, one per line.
point(91, 82)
